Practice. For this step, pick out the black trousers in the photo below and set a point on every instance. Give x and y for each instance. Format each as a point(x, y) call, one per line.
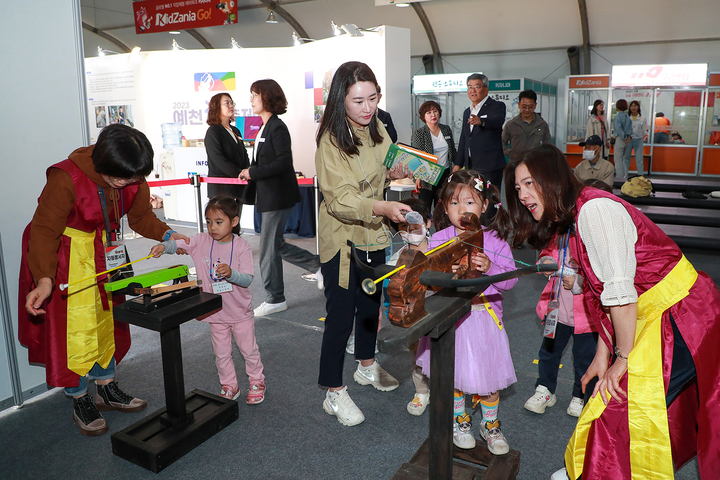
point(346, 308)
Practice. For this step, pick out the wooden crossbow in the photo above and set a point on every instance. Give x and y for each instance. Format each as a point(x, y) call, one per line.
point(415, 272)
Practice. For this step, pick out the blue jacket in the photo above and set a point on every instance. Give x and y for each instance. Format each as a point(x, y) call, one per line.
point(483, 143)
point(622, 125)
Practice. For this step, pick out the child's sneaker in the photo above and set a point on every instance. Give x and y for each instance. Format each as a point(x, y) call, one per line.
point(418, 404)
point(231, 393)
point(496, 442)
point(576, 406)
point(256, 394)
point(541, 400)
point(462, 437)
point(340, 404)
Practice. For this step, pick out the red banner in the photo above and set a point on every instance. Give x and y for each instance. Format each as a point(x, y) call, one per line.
point(152, 16)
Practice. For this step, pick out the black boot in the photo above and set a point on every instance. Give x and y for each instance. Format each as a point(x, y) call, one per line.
point(110, 397)
point(87, 417)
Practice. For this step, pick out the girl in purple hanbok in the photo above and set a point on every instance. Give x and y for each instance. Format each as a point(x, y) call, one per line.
point(483, 364)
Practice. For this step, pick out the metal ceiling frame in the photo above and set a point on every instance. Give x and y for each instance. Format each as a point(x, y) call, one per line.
point(437, 56)
point(584, 25)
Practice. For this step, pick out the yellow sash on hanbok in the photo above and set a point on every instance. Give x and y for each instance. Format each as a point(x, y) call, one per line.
point(90, 328)
point(650, 452)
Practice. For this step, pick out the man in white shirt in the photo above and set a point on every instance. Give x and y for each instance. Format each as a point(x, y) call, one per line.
point(480, 145)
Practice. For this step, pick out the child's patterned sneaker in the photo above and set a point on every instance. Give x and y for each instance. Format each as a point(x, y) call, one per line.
point(256, 394)
point(231, 393)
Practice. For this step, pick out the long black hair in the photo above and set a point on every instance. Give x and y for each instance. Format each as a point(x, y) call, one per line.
point(595, 105)
point(558, 189)
point(334, 120)
point(457, 181)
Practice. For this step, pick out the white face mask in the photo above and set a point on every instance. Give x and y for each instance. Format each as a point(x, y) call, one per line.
point(414, 238)
point(588, 154)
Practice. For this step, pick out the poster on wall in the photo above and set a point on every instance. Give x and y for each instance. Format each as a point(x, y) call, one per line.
point(319, 82)
point(152, 16)
point(113, 92)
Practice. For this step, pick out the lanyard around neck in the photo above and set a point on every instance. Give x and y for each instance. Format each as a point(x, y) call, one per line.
point(232, 248)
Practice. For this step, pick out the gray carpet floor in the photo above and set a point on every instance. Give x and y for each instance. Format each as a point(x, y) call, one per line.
point(289, 436)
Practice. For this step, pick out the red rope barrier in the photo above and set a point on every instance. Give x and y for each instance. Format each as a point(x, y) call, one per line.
point(167, 183)
point(216, 180)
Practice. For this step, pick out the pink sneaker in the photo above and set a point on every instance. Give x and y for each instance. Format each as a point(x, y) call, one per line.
point(256, 394)
point(231, 393)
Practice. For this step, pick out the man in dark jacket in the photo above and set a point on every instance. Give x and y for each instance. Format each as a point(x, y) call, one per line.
point(480, 145)
point(526, 131)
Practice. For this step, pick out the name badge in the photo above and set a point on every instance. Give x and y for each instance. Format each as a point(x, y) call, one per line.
point(222, 287)
point(261, 139)
point(483, 116)
point(115, 255)
point(447, 137)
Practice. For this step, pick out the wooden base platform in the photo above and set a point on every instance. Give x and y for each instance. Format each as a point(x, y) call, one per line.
point(153, 445)
point(475, 464)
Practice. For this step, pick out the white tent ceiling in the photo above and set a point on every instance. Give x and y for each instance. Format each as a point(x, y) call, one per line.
point(501, 37)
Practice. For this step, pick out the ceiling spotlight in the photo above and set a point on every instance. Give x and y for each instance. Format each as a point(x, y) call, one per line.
point(271, 18)
point(234, 44)
point(174, 32)
point(134, 52)
point(352, 30)
point(402, 5)
point(175, 46)
point(335, 29)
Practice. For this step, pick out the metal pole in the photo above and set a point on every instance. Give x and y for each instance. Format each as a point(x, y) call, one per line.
point(195, 182)
point(6, 320)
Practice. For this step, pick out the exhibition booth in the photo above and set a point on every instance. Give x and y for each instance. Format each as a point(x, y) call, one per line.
point(157, 92)
point(685, 95)
point(450, 92)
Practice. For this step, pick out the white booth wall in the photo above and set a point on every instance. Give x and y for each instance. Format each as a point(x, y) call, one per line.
point(43, 120)
point(158, 84)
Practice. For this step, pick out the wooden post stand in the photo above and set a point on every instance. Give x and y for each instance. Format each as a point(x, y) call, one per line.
point(437, 457)
point(166, 435)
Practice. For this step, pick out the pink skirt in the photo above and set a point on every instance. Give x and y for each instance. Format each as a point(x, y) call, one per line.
point(483, 364)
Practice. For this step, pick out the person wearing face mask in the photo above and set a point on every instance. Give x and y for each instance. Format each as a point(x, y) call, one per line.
point(414, 232)
point(592, 166)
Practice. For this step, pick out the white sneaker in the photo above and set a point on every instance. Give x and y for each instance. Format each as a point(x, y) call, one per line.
point(576, 406)
point(496, 441)
point(270, 308)
point(418, 404)
point(462, 436)
point(541, 400)
point(560, 475)
point(320, 280)
point(340, 404)
point(377, 377)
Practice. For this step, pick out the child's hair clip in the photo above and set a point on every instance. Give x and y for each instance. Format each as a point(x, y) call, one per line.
point(479, 184)
point(488, 184)
point(498, 205)
point(450, 178)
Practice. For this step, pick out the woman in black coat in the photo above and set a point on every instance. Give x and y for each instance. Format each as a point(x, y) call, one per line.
point(273, 189)
point(437, 139)
point(226, 152)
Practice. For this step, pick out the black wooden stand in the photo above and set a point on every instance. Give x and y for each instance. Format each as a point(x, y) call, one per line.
point(166, 435)
point(437, 458)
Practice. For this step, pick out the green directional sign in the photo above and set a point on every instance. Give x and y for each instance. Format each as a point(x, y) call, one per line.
point(504, 85)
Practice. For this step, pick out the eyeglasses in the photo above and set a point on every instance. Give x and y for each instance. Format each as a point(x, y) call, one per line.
point(229, 104)
point(253, 95)
point(475, 87)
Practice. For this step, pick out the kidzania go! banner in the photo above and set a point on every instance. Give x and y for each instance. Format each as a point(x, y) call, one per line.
point(153, 16)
